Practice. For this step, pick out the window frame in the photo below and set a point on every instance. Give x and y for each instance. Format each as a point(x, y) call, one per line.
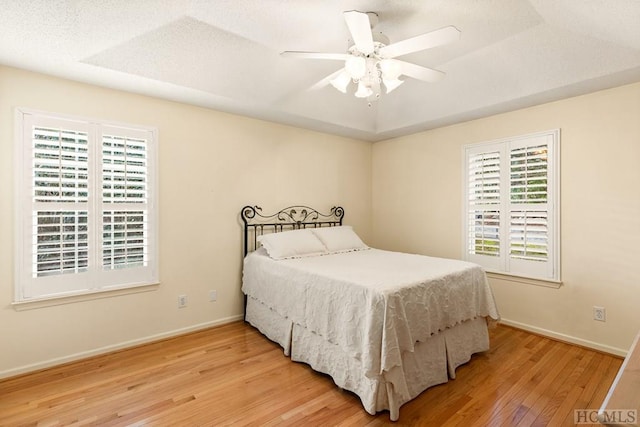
point(28, 287)
point(505, 264)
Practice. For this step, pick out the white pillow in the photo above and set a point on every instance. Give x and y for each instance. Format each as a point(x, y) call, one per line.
point(339, 239)
point(292, 244)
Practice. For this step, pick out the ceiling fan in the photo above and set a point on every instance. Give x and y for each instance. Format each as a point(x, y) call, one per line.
point(370, 59)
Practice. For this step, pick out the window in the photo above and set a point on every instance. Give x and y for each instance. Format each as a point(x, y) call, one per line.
point(86, 198)
point(511, 218)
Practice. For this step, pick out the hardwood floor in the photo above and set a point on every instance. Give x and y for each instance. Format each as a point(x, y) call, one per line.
point(232, 375)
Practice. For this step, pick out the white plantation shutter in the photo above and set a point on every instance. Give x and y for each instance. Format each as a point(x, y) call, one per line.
point(529, 172)
point(528, 227)
point(529, 235)
point(511, 205)
point(125, 220)
point(483, 216)
point(60, 242)
point(124, 242)
point(484, 198)
point(59, 191)
point(86, 193)
point(124, 169)
point(60, 165)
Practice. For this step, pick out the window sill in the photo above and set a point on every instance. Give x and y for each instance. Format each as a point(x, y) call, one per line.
point(554, 284)
point(85, 296)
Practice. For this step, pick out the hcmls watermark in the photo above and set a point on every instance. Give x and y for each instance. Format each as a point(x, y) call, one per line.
point(611, 416)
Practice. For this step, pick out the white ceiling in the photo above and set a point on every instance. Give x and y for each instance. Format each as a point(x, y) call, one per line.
point(224, 54)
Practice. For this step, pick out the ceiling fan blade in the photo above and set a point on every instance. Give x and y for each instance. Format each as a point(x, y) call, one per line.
point(326, 81)
point(419, 72)
point(425, 41)
point(315, 55)
point(360, 29)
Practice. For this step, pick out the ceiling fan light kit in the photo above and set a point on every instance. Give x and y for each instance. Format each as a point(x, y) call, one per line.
point(356, 67)
point(369, 61)
point(341, 81)
point(364, 91)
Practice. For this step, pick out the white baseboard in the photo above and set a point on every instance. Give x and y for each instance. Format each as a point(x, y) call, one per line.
point(85, 354)
point(566, 338)
point(107, 349)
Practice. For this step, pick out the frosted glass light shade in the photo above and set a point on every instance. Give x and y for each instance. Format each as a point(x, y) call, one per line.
point(363, 91)
point(390, 69)
point(341, 81)
point(356, 66)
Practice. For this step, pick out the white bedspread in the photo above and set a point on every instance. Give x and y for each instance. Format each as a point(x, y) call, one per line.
point(374, 304)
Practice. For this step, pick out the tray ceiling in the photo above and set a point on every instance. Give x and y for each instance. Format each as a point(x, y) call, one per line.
point(224, 54)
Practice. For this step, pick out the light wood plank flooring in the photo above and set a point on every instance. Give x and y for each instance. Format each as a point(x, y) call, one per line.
point(232, 375)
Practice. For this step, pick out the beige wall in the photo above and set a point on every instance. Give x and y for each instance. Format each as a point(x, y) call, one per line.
point(210, 165)
point(216, 163)
point(417, 187)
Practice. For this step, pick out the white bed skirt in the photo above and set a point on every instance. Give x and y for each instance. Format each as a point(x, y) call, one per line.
point(432, 362)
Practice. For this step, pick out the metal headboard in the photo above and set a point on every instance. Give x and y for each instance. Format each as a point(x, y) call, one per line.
point(291, 218)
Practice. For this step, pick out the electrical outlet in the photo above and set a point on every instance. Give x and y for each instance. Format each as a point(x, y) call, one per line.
point(182, 301)
point(599, 314)
point(213, 295)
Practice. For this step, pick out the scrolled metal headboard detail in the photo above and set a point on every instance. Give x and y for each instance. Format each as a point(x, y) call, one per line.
point(291, 218)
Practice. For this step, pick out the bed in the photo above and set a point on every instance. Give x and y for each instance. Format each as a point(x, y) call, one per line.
point(384, 325)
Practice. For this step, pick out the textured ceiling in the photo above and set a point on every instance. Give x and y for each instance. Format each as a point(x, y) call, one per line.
point(224, 54)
